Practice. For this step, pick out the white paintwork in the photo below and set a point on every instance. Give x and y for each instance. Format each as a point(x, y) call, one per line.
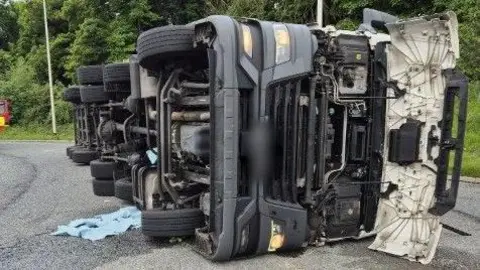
point(148, 84)
point(420, 49)
point(151, 186)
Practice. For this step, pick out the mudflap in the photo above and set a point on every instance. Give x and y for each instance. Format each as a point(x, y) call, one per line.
point(418, 128)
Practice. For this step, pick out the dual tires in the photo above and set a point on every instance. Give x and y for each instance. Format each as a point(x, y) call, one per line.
point(93, 94)
point(116, 78)
point(102, 173)
point(83, 155)
point(121, 188)
point(102, 169)
point(70, 149)
point(91, 81)
point(72, 94)
point(103, 187)
point(104, 184)
point(98, 80)
point(90, 75)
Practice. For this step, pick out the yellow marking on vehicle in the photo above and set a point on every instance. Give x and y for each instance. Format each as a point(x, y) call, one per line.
point(277, 238)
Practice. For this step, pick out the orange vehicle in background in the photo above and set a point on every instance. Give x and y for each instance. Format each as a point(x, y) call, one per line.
point(5, 115)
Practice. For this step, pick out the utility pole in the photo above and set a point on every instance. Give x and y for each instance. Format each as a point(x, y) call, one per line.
point(320, 13)
point(50, 79)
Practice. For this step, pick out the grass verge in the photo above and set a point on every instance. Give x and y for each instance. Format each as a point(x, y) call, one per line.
point(471, 154)
point(37, 132)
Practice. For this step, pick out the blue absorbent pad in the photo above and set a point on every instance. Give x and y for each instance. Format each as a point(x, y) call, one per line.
point(101, 226)
point(152, 155)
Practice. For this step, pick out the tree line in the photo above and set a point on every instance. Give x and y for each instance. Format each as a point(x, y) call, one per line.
point(86, 32)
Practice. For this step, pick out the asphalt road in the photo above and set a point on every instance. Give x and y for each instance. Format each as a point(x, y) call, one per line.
point(41, 188)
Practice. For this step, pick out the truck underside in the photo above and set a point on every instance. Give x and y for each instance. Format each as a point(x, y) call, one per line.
point(259, 136)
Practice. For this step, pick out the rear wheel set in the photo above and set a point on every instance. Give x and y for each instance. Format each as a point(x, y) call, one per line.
point(83, 96)
point(102, 173)
point(84, 155)
point(123, 189)
point(106, 182)
point(72, 95)
point(116, 78)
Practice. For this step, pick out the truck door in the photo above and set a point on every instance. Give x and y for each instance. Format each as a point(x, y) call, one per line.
point(424, 132)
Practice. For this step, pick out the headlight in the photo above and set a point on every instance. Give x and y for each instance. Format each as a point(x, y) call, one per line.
point(247, 40)
point(282, 41)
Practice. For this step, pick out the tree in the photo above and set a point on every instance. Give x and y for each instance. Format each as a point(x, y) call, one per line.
point(8, 24)
point(86, 32)
point(89, 47)
point(31, 25)
point(133, 18)
point(75, 12)
point(178, 11)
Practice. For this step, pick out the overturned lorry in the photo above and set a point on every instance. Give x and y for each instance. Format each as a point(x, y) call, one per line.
point(258, 136)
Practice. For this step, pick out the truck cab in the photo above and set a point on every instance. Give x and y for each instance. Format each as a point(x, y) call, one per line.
point(356, 131)
point(273, 136)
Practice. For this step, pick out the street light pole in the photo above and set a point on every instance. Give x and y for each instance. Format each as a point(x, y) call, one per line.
point(320, 13)
point(50, 79)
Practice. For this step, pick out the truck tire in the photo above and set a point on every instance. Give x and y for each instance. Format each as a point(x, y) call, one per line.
point(90, 75)
point(103, 188)
point(123, 189)
point(116, 77)
point(171, 223)
point(70, 150)
point(102, 169)
point(161, 43)
point(93, 94)
point(84, 156)
point(72, 94)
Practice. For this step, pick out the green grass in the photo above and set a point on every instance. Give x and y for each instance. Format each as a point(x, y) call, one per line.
point(37, 132)
point(471, 154)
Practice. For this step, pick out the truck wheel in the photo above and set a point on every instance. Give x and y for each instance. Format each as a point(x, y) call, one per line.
point(162, 43)
point(93, 94)
point(84, 156)
point(72, 94)
point(90, 75)
point(103, 187)
point(102, 169)
point(170, 223)
point(123, 189)
point(116, 77)
point(70, 150)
